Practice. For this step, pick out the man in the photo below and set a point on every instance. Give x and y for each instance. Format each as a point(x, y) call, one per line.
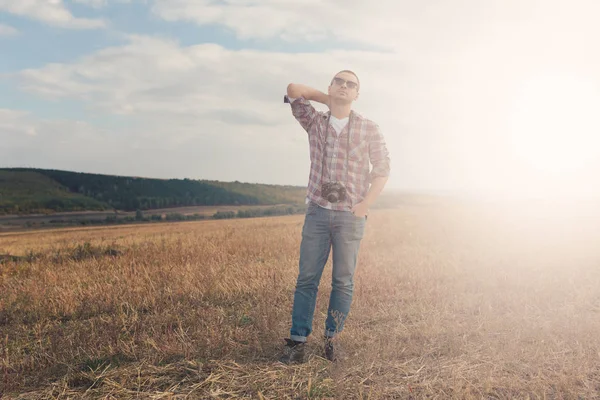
point(340, 191)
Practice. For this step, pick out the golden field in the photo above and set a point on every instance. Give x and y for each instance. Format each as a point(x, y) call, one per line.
point(452, 300)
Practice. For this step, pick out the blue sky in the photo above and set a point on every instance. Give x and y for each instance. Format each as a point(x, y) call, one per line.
point(192, 89)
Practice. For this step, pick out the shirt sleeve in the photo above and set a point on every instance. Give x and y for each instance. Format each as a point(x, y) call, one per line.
point(378, 154)
point(304, 112)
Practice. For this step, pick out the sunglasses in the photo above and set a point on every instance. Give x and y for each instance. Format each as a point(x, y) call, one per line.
point(349, 84)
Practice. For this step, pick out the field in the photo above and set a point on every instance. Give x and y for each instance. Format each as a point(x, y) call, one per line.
point(452, 300)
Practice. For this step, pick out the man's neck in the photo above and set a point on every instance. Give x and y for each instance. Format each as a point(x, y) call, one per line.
point(340, 111)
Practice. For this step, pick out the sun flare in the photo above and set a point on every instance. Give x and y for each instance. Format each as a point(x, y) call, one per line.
point(555, 124)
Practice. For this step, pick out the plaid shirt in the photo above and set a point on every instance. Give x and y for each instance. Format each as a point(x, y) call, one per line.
point(366, 145)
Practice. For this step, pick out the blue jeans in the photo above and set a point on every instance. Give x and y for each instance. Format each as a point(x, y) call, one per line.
point(324, 230)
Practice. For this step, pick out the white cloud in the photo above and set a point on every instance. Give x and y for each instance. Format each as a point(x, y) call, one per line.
point(6, 30)
point(52, 12)
point(99, 3)
point(388, 24)
point(159, 77)
point(151, 75)
point(12, 126)
point(92, 3)
point(30, 141)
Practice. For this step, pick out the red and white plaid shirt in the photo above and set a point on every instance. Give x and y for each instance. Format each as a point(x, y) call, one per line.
point(367, 144)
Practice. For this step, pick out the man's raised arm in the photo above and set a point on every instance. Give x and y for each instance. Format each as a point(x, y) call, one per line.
point(302, 110)
point(295, 90)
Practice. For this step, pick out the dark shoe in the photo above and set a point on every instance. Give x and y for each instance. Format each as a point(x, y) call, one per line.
point(293, 352)
point(329, 349)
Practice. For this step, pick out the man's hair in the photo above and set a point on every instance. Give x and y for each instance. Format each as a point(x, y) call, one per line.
point(350, 72)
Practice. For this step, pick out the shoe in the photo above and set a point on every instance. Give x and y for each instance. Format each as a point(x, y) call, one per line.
point(293, 352)
point(329, 349)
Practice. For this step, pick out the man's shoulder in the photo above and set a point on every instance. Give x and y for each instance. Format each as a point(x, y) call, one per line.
point(364, 120)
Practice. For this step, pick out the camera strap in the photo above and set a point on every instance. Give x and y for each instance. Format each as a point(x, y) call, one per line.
point(347, 149)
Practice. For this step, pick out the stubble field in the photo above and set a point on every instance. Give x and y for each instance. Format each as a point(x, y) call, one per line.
point(451, 301)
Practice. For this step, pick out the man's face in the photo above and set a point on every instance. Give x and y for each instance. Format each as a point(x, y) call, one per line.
point(344, 87)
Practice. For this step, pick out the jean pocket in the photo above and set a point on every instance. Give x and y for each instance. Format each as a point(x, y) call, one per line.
point(357, 217)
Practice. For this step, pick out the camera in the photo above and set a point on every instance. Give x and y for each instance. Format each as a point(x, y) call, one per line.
point(333, 192)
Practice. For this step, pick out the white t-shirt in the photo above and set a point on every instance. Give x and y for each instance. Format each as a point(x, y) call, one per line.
point(338, 124)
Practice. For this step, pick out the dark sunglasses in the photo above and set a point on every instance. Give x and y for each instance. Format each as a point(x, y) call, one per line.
point(349, 84)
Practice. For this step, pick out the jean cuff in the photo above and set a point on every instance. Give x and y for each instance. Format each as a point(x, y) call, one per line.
point(298, 338)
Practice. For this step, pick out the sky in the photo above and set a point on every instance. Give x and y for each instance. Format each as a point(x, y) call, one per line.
point(497, 97)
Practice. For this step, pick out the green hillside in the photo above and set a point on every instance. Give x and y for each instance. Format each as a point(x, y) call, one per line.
point(29, 192)
point(39, 190)
point(267, 194)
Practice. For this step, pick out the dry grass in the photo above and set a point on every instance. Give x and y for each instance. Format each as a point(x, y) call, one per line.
point(450, 302)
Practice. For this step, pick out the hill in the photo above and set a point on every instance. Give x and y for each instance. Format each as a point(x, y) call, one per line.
point(26, 191)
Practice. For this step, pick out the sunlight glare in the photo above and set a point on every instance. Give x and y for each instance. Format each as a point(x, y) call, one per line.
point(555, 124)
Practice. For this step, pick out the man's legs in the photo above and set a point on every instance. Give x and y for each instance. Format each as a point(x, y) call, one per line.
point(314, 251)
point(347, 233)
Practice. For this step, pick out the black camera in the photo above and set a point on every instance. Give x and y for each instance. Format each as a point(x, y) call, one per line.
point(333, 192)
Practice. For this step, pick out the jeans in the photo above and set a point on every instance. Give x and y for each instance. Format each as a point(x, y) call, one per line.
point(324, 230)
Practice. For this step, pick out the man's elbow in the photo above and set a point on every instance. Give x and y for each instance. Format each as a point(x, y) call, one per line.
point(380, 173)
point(293, 90)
